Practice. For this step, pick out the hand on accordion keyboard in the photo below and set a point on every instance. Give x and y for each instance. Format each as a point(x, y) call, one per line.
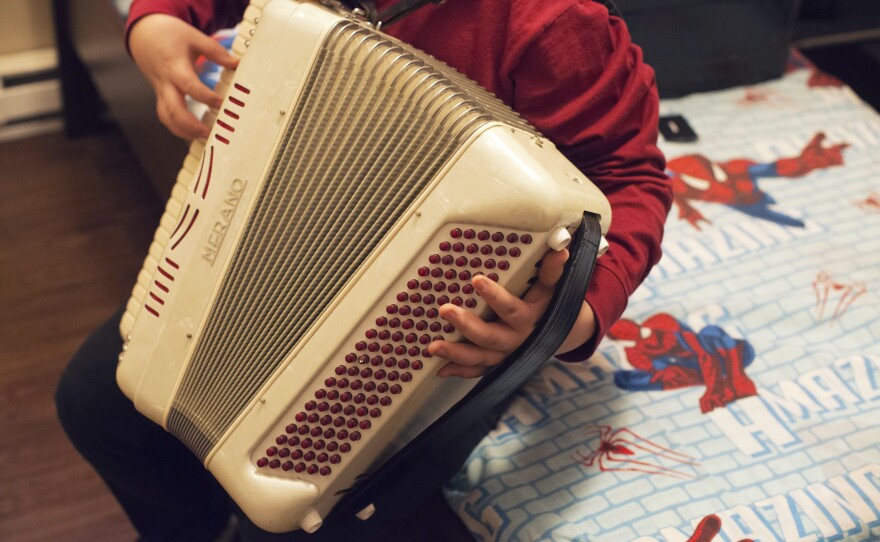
point(165, 50)
point(490, 342)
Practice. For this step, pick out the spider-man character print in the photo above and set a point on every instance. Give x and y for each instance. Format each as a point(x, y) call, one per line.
point(735, 182)
point(667, 354)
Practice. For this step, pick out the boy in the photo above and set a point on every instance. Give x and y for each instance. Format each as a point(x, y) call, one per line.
point(566, 66)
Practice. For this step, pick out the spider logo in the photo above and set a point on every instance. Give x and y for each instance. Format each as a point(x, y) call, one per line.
point(623, 450)
point(755, 96)
point(824, 285)
point(871, 203)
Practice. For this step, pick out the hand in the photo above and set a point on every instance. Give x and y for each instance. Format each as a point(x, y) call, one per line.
point(165, 50)
point(490, 342)
point(688, 212)
point(816, 156)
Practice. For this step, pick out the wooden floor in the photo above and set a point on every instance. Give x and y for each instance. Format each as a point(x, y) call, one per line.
point(76, 218)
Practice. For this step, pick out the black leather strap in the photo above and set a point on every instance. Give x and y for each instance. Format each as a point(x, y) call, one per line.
point(401, 9)
point(394, 12)
point(494, 388)
point(404, 7)
point(612, 7)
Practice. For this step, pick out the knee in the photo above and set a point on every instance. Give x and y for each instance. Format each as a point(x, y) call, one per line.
point(79, 403)
point(87, 393)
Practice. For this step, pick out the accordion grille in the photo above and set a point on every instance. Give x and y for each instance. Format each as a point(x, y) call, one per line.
point(374, 125)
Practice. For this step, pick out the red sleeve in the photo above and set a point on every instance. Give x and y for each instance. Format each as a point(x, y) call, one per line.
point(600, 107)
point(206, 15)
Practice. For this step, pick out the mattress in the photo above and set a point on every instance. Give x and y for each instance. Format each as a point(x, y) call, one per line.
point(739, 396)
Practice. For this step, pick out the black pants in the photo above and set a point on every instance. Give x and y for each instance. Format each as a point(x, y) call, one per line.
point(164, 489)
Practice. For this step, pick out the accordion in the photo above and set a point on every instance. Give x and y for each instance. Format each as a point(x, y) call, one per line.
point(349, 187)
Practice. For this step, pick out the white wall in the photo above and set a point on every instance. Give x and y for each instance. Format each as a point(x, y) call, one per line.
point(25, 25)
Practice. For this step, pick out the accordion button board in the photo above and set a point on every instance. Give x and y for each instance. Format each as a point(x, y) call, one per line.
point(379, 369)
point(351, 185)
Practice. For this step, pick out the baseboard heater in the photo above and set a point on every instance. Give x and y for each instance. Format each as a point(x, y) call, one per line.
point(30, 94)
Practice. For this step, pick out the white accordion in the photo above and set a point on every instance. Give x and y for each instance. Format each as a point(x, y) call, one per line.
point(350, 186)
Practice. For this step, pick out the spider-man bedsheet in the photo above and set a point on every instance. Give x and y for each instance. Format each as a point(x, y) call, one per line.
point(739, 398)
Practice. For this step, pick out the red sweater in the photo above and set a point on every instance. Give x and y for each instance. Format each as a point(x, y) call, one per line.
point(569, 69)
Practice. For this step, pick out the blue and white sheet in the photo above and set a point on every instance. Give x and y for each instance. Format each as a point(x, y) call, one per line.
point(739, 399)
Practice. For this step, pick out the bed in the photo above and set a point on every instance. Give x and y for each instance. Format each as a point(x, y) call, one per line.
point(739, 398)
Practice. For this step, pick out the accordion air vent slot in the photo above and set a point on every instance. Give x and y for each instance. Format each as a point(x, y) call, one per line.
point(371, 130)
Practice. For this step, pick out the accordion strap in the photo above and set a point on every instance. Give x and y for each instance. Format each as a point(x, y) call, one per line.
point(499, 384)
point(393, 13)
point(404, 7)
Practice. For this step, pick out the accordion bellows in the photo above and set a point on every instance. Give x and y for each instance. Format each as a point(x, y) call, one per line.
point(349, 187)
